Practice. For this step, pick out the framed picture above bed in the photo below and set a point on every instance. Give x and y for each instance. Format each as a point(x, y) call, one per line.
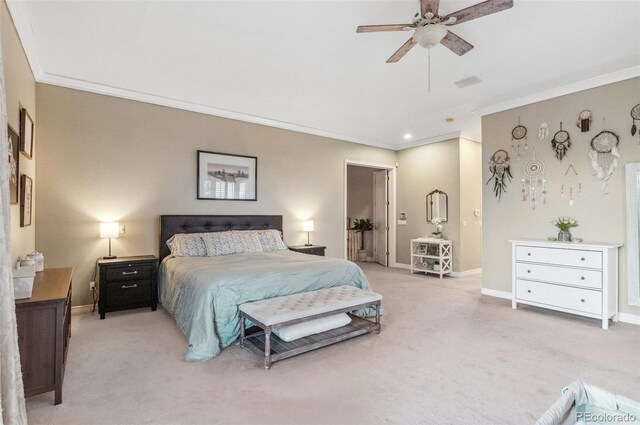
point(227, 177)
point(26, 133)
point(26, 194)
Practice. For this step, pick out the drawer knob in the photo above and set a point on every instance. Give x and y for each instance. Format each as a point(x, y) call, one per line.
point(581, 300)
point(129, 273)
point(581, 277)
point(135, 285)
point(529, 254)
point(528, 271)
point(582, 259)
point(529, 290)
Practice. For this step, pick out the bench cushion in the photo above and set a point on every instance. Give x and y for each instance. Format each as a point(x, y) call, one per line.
point(290, 333)
point(305, 304)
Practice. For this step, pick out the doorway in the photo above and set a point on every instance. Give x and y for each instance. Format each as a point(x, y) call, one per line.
point(370, 195)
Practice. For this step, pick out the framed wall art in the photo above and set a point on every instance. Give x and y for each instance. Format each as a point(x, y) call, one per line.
point(26, 196)
point(227, 177)
point(27, 128)
point(14, 171)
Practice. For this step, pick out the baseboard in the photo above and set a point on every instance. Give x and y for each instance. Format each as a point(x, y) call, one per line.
point(403, 266)
point(466, 273)
point(496, 293)
point(629, 318)
point(81, 309)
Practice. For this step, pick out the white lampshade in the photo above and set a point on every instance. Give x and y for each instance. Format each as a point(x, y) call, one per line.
point(307, 226)
point(109, 230)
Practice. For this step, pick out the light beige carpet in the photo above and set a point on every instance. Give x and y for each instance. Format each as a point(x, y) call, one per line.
point(446, 355)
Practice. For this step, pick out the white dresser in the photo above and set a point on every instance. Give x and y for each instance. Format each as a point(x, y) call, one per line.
point(578, 278)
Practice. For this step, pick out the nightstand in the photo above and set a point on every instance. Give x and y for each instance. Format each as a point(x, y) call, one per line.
point(309, 249)
point(127, 282)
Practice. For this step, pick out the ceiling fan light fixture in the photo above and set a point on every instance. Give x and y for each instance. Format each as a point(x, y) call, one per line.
point(430, 35)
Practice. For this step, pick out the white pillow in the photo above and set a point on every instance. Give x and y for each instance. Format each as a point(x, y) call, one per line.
point(232, 242)
point(311, 327)
point(187, 245)
point(271, 240)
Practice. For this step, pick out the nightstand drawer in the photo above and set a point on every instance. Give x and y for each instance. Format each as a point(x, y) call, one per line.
point(128, 292)
point(129, 272)
point(314, 251)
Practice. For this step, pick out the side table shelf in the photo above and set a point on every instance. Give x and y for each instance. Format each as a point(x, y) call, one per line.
point(431, 256)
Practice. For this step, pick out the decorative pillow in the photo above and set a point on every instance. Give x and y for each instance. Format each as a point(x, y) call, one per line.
point(187, 245)
point(271, 240)
point(233, 242)
point(311, 327)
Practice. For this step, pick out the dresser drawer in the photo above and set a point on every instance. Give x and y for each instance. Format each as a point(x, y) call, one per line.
point(560, 256)
point(583, 300)
point(129, 272)
point(564, 275)
point(128, 292)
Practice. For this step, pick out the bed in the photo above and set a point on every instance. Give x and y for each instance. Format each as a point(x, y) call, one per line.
point(203, 293)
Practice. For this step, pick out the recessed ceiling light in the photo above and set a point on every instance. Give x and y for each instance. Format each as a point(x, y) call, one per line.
point(408, 136)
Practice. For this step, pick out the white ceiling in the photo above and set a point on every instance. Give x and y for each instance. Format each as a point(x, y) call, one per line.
point(301, 65)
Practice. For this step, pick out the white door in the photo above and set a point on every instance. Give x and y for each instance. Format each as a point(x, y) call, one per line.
point(380, 217)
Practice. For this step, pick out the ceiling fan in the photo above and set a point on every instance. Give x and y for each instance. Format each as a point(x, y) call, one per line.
point(430, 28)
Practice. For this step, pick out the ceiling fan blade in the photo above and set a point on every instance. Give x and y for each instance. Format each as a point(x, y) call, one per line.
point(429, 6)
point(457, 45)
point(379, 28)
point(479, 10)
point(402, 51)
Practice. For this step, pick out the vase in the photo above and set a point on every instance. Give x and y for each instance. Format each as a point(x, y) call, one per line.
point(564, 236)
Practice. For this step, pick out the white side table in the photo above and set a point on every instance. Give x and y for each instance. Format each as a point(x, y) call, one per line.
point(431, 256)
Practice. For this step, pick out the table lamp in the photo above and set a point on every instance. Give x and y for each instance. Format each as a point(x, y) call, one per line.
point(108, 231)
point(307, 226)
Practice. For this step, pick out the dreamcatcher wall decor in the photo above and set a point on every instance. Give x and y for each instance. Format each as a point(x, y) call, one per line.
point(584, 121)
point(500, 172)
point(543, 131)
point(518, 134)
point(604, 156)
point(533, 181)
point(635, 115)
point(561, 143)
point(569, 184)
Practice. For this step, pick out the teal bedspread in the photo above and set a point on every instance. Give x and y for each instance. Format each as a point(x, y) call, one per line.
point(203, 293)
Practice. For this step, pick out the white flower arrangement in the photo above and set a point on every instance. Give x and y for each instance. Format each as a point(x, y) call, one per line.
point(564, 223)
point(438, 227)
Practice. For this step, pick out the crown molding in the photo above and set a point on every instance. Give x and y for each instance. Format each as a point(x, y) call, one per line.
point(88, 86)
point(25, 33)
point(590, 83)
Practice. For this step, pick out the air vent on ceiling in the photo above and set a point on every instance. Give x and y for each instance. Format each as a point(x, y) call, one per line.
point(468, 82)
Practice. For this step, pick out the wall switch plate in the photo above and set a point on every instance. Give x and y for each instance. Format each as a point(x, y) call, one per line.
point(122, 229)
point(92, 286)
point(464, 223)
point(402, 222)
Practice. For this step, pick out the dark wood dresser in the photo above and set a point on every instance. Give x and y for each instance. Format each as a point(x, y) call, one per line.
point(127, 282)
point(44, 329)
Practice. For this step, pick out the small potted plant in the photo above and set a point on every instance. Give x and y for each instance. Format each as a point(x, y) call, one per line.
point(564, 224)
point(438, 228)
point(360, 226)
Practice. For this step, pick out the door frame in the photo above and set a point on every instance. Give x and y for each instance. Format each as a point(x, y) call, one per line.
point(392, 204)
point(377, 231)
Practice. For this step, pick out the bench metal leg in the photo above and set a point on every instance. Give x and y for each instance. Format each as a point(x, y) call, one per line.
point(377, 327)
point(242, 331)
point(267, 348)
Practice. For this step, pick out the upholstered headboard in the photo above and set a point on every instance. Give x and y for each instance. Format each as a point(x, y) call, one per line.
point(172, 224)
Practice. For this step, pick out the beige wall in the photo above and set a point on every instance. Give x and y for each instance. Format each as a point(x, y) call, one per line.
point(104, 158)
point(600, 217)
point(470, 247)
point(360, 199)
point(420, 170)
point(20, 89)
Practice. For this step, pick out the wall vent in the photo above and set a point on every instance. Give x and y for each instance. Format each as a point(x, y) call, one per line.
point(468, 82)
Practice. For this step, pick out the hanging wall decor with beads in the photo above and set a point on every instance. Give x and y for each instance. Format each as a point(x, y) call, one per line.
point(584, 121)
point(604, 156)
point(518, 134)
point(571, 186)
point(635, 115)
point(543, 131)
point(561, 143)
point(534, 184)
point(500, 172)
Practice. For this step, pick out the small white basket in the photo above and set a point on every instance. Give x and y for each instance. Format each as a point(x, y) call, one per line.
point(23, 281)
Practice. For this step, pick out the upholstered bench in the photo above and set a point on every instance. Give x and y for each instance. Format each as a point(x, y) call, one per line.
point(274, 313)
